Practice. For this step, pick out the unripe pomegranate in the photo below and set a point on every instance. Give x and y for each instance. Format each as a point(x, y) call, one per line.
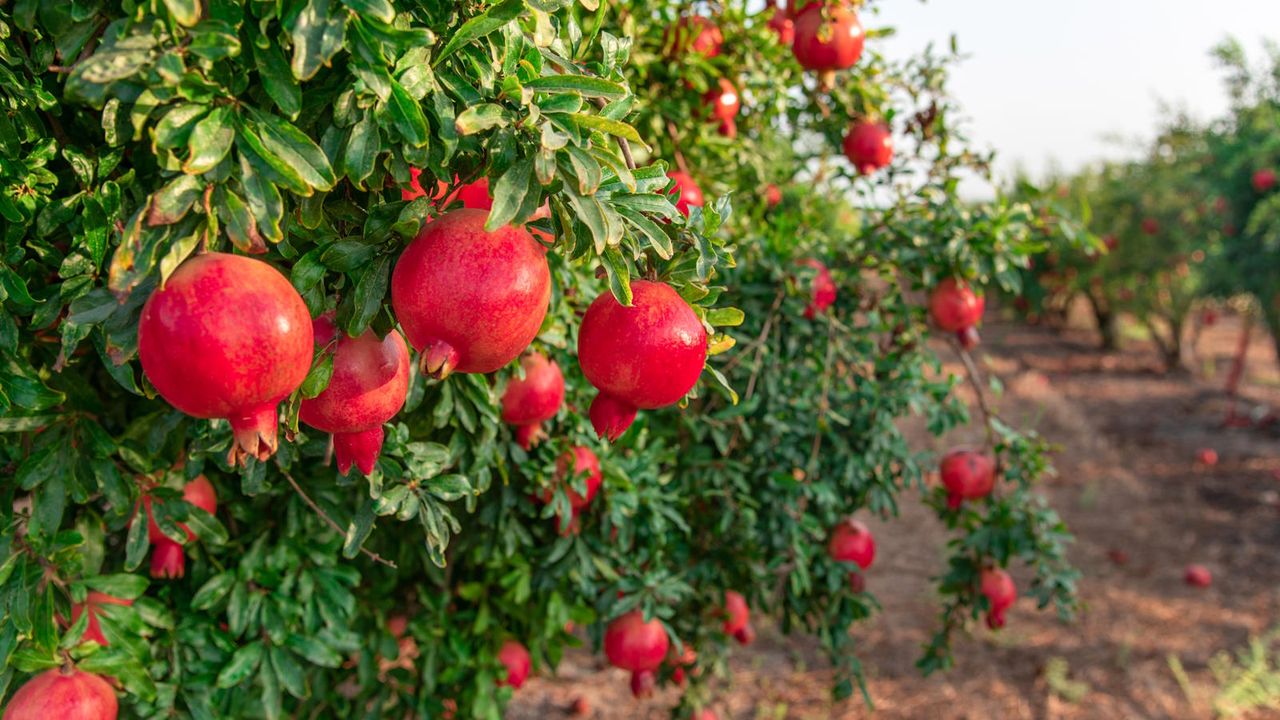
point(645, 356)
point(828, 37)
point(533, 399)
point(368, 387)
point(227, 337)
point(736, 612)
point(93, 601)
point(1264, 180)
point(632, 644)
point(1150, 226)
point(168, 560)
point(745, 635)
point(851, 541)
point(63, 694)
point(642, 683)
point(868, 145)
point(824, 288)
point(585, 463)
point(695, 34)
point(1207, 457)
point(469, 300)
point(1198, 576)
point(783, 25)
point(725, 104)
point(688, 190)
point(515, 657)
point(954, 306)
point(772, 196)
point(1000, 592)
point(967, 474)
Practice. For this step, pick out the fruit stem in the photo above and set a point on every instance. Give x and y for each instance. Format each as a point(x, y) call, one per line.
point(255, 433)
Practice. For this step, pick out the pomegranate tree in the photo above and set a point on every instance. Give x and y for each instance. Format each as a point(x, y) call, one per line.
point(967, 475)
point(998, 588)
point(645, 356)
point(868, 145)
point(227, 337)
point(367, 388)
point(168, 559)
point(470, 300)
point(515, 657)
point(533, 399)
point(65, 694)
point(688, 190)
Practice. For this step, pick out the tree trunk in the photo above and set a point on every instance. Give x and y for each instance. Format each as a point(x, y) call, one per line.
point(1106, 321)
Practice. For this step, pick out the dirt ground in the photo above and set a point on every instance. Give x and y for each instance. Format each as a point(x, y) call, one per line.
point(1129, 481)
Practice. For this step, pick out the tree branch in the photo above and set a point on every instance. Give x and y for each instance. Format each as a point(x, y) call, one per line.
point(330, 521)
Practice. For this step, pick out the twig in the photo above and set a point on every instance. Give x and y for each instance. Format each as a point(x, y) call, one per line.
point(972, 371)
point(675, 147)
point(623, 145)
point(330, 521)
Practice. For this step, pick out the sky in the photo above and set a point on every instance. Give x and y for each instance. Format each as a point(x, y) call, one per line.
point(1053, 83)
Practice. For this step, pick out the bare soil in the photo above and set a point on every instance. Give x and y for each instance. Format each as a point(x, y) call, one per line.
point(1128, 483)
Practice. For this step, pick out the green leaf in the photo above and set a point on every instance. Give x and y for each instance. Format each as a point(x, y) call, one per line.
point(319, 376)
point(449, 487)
point(238, 222)
point(210, 141)
point(363, 145)
point(243, 664)
point(616, 128)
point(509, 195)
point(580, 84)
point(359, 529)
point(726, 317)
point(214, 590)
point(185, 12)
point(370, 289)
point(290, 145)
point(376, 9)
point(171, 203)
point(136, 546)
point(289, 672)
point(122, 585)
point(615, 267)
point(317, 33)
point(479, 118)
point(479, 26)
point(407, 115)
point(277, 78)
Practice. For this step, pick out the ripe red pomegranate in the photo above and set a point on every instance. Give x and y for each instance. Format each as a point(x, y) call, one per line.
point(851, 541)
point(476, 195)
point(694, 33)
point(63, 694)
point(585, 463)
point(642, 683)
point(725, 104)
point(782, 24)
point(772, 196)
point(705, 714)
point(736, 612)
point(1198, 576)
point(868, 145)
point(632, 644)
point(645, 356)
point(515, 657)
point(967, 474)
point(1207, 457)
point(690, 193)
point(368, 387)
point(746, 635)
point(1150, 226)
point(1000, 592)
point(469, 300)
point(580, 707)
point(828, 37)
point(533, 399)
point(824, 288)
point(1264, 180)
point(954, 306)
point(227, 337)
point(415, 190)
point(168, 559)
point(92, 602)
point(677, 677)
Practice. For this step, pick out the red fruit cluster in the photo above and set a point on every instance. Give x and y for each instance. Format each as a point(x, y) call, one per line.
point(368, 386)
point(168, 559)
point(868, 145)
point(998, 588)
point(532, 400)
point(645, 356)
point(967, 475)
point(227, 337)
point(955, 307)
point(515, 657)
point(688, 190)
point(63, 694)
point(824, 288)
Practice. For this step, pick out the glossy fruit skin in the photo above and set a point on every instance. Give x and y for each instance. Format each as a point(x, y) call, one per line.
point(227, 337)
point(59, 694)
point(1198, 576)
point(967, 474)
point(696, 34)
point(954, 306)
point(645, 356)
point(737, 614)
point(469, 300)
point(537, 397)
point(725, 104)
point(851, 541)
point(642, 683)
point(1264, 180)
point(516, 659)
point(828, 43)
point(168, 558)
point(824, 288)
point(368, 387)
point(1000, 591)
point(93, 601)
point(632, 644)
point(585, 463)
point(688, 190)
point(869, 146)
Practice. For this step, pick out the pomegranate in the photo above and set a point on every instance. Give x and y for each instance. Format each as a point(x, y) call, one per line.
point(1207, 457)
point(93, 601)
point(168, 559)
point(368, 387)
point(1150, 226)
point(585, 463)
point(736, 612)
point(998, 588)
point(515, 657)
point(1198, 576)
point(642, 683)
point(533, 399)
point(1111, 242)
point(227, 337)
point(397, 624)
point(954, 306)
point(632, 644)
point(645, 356)
point(695, 34)
point(415, 189)
point(705, 714)
point(63, 694)
point(725, 105)
point(746, 635)
point(1264, 180)
point(824, 288)
point(967, 475)
point(690, 193)
point(580, 707)
point(677, 677)
point(969, 338)
point(868, 145)
point(851, 541)
point(782, 24)
point(772, 196)
point(828, 37)
point(469, 300)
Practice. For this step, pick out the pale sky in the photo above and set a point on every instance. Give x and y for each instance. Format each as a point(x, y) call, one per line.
point(1053, 82)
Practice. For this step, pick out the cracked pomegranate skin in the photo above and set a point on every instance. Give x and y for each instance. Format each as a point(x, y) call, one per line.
point(851, 541)
point(529, 401)
point(632, 644)
point(227, 337)
point(954, 306)
point(869, 146)
point(368, 387)
point(59, 695)
point(827, 43)
point(469, 300)
point(645, 356)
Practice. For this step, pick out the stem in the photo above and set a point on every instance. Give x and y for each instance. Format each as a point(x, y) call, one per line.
point(330, 521)
point(987, 413)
